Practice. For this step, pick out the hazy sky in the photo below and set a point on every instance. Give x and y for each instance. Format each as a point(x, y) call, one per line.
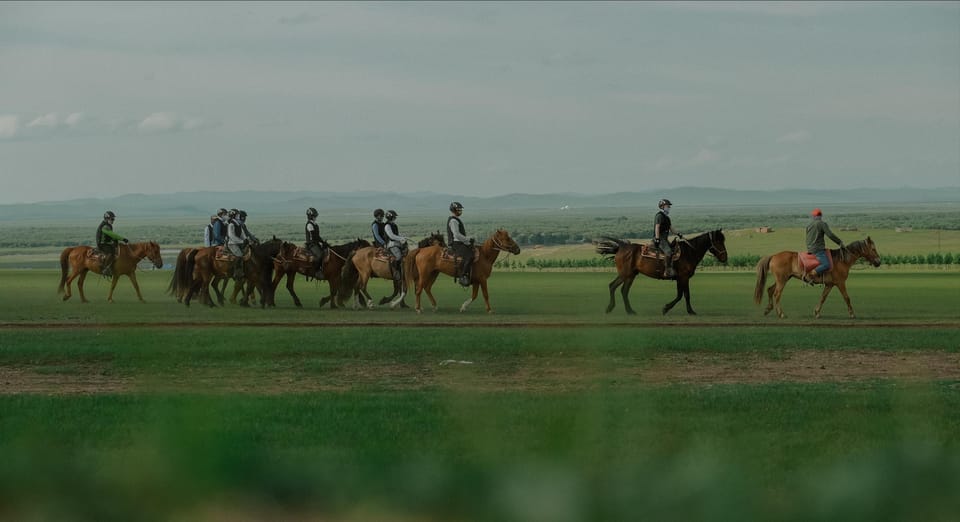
point(480, 99)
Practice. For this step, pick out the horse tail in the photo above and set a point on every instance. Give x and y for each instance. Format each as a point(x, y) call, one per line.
point(609, 246)
point(349, 275)
point(185, 280)
point(763, 267)
point(64, 268)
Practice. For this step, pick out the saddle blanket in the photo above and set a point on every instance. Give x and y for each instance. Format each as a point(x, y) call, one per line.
point(809, 261)
point(449, 256)
point(223, 254)
point(382, 254)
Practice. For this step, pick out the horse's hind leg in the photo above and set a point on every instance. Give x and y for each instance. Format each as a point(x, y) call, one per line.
point(80, 280)
point(625, 292)
point(617, 281)
point(770, 291)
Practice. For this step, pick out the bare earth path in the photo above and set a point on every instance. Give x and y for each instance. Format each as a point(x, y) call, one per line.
point(540, 374)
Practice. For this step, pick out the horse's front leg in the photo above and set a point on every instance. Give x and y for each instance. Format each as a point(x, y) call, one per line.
point(472, 298)
point(823, 297)
point(686, 297)
point(617, 281)
point(136, 286)
point(669, 306)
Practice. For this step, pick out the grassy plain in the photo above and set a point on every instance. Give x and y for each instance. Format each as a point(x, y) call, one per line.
point(159, 412)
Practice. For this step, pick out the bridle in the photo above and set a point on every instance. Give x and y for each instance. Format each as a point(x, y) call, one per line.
point(717, 252)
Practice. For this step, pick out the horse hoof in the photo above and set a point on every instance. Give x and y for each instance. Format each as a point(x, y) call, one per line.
point(691, 312)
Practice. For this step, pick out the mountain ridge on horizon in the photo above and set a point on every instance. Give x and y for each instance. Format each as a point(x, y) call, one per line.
point(280, 202)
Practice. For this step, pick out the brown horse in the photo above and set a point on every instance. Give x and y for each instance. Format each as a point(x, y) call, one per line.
point(79, 260)
point(203, 266)
point(430, 262)
point(180, 285)
point(630, 261)
point(291, 262)
point(367, 263)
point(786, 265)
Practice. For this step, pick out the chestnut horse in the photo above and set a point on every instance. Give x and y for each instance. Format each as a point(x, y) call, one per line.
point(203, 265)
point(429, 262)
point(80, 261)
point(786, 265)
point(365, 264)
point(630, 262)
point(179, 286)
point(289, 264)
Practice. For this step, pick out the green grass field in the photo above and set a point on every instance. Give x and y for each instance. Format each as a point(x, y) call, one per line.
point(547, 410)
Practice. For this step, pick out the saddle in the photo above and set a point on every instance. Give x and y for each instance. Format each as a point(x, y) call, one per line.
point(382, 254)
point(649, 251)
point(449, 256)
point(809, 261)
point(93, 253)
point(222, 254)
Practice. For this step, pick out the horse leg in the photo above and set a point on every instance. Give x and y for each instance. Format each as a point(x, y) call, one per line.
point(136, 286)
point(67, 293)
point(686, 297)
point(842, 286)
point(770, 290)
point(613, 286)
point(472, 298)
point(777, 294)
point(625, 292)
point(667, 307)
point(290, 277)
point(823, 297)
point(80, 280)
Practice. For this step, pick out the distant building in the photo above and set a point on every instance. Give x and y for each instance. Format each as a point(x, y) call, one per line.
point(904, 229)
point(763, 230)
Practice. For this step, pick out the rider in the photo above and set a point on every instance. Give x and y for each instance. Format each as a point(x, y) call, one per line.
point(220, 228)
point(458, 240)
point(816, 246)
point(662, 227)
point(107, 242)
point(315, 244)
point(208, 231)
point(377, 227)
point(397, 244)
point(236, 241)
point(242, 214)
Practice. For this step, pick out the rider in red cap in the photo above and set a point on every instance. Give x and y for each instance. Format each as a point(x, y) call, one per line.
point(816, 246)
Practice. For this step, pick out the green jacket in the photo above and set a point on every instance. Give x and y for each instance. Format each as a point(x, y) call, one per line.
point(815, 232)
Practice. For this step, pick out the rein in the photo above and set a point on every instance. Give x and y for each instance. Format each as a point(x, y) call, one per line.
point(713, 245)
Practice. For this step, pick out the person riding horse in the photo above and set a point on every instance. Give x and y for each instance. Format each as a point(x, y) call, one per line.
point(460, 243)
point(242, 215)
point(236, 241)
point(220, 228)
point(315, 244)
point(816, 245)
point(662, 227)
point(377, 228)
point(107, 243)
point(397, 244)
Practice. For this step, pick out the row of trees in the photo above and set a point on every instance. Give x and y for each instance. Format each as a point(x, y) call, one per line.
point(738, 262)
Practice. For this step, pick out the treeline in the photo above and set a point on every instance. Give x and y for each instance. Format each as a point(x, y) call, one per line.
point(733, 262)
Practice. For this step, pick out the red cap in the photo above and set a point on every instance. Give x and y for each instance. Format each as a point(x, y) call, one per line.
point(816, 212)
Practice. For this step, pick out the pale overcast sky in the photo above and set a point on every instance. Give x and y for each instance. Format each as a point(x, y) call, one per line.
point(480, 99)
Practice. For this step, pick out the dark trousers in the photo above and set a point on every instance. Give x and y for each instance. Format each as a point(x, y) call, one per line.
point(317, 251)
point(466, 252)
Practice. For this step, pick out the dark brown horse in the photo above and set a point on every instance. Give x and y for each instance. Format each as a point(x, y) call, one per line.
point(786, 265)
point(203, 265)
point(368, 262)
point(630, 261)
point(79, 260)
point(430, 262)
point(293, 261)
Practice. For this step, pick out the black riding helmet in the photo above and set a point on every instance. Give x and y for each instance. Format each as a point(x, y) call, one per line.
point(664, 202)
point(312, 213)
point(108, 215)
point(456, 206)
point(391, 215)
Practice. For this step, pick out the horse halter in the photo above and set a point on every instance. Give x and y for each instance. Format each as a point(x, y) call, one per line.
point(713, 245)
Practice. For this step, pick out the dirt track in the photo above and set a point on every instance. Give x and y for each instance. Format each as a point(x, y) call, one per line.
point(553, 374)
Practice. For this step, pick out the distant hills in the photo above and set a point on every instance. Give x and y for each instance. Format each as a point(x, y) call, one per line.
point(267, 203)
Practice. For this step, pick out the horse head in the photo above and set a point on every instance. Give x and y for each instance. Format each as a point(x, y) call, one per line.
point(153, 254)
point(868, 250)
point(502, 240)
point(435, 239)
point(718, 246)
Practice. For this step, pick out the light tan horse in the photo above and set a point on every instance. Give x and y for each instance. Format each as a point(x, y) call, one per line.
point(786, 265)
point(430, 262)
point(79, 260)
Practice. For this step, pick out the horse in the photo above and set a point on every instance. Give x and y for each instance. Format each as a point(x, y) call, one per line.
point(630, 261)
point(180, 285)
point(203, 265)
point(289, 263)
point(366, 263)
point(429, 262)
point(83, 259)
point(787, 264)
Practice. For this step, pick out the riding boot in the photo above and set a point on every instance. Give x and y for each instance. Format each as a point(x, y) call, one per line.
point(465, 275)
point(318, 270)
point(107, 266)
point(397, 270)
